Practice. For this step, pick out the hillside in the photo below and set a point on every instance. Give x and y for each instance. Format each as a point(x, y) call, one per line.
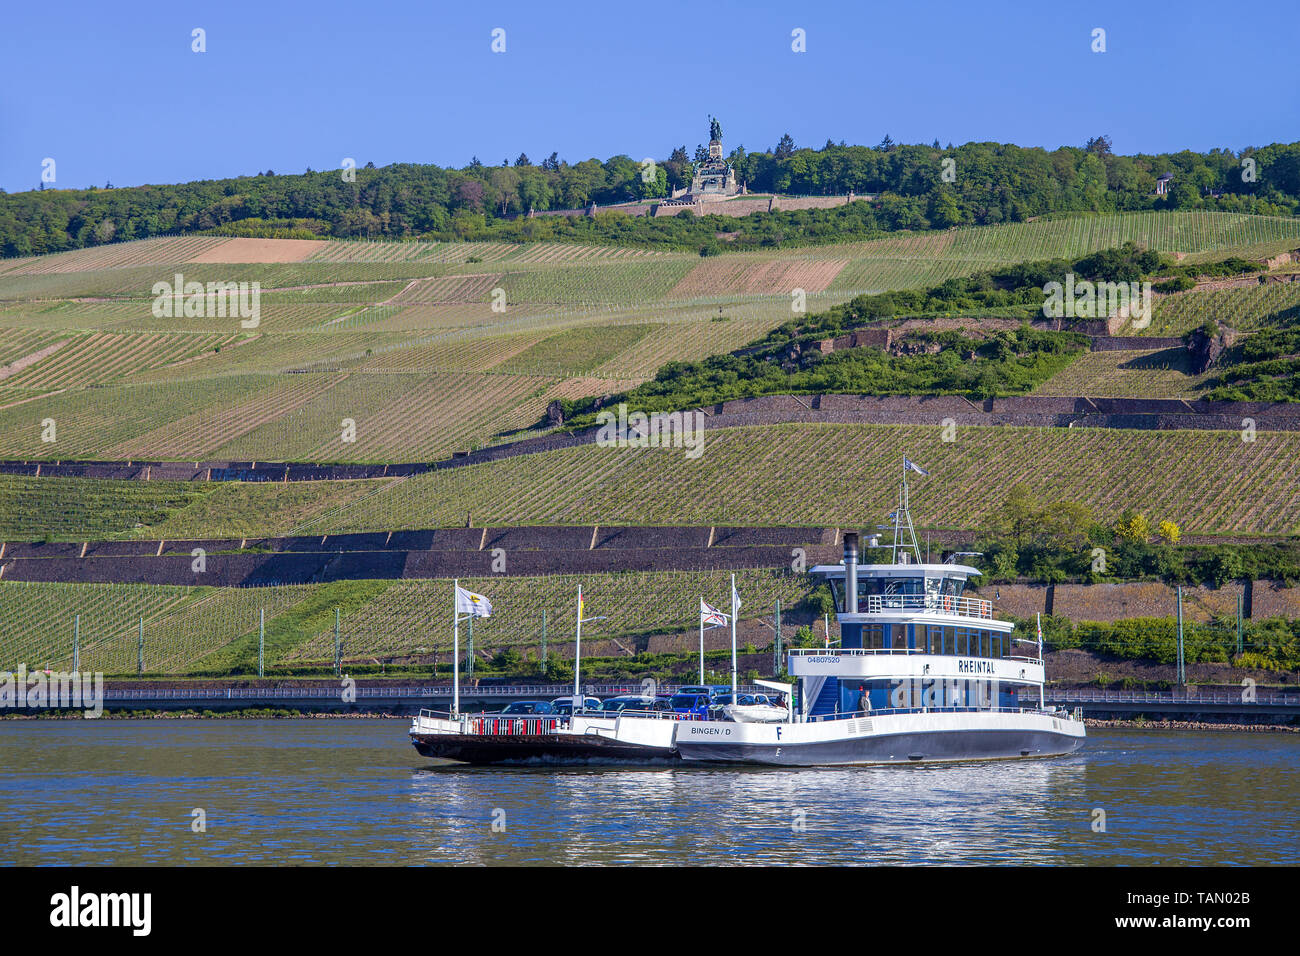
point(387, 352)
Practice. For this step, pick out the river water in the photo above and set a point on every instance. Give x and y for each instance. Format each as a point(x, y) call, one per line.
point(355, 792)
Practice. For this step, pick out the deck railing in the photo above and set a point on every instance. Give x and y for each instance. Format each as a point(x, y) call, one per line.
point(871, 651)
point(931, 604)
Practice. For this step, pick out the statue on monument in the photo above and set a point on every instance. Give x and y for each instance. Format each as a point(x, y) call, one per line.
point(715, 129)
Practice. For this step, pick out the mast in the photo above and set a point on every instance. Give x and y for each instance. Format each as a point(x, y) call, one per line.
point(735, 700)
point(577, 652)
point(903, 521)
point(700, 615)
point(455, 648)
point(1041, 701)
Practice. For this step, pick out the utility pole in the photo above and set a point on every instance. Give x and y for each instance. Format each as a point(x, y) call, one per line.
point(469, 656)
point(776, 657)
point(76, 644)
point(1241, 601)
point(338, 648)
point(1182, 670)
point(544, 648)
point(139, 650)
point(261, 641)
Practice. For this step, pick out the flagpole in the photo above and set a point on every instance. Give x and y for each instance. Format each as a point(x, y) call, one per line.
point(455, 649)
point(1041, 702)
point(577, 649)
point(735, 700)
point(701, 616)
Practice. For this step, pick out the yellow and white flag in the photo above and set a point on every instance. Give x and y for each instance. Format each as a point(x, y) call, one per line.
point(475, 605)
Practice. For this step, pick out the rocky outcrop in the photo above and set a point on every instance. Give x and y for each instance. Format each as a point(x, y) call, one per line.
point(1205, 345)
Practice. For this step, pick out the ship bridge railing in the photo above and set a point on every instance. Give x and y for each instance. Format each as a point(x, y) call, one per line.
point(887, 711)
point(872, 651)
point(931, 604)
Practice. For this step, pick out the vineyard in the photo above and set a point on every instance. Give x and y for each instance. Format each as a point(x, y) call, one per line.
point(1245, 309)
point(778, 474)
point(1163, 373)
point(189, 629)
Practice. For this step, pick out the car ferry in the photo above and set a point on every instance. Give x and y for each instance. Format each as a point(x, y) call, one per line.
point(625, 737)
point(923, 672)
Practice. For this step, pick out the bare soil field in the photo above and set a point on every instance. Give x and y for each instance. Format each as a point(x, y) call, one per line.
point(261, 250)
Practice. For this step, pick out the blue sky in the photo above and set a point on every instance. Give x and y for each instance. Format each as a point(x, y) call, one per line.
point(114, 93)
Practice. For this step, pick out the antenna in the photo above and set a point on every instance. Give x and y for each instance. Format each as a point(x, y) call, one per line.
point(903, 521)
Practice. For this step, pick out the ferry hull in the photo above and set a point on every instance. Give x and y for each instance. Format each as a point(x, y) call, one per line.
point(538, 749)
point(795, 746)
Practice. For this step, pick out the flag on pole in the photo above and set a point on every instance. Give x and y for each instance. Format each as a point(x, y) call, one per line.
point(710, 616)
point(475, 605)
point(735, 598)
point(910, 465)
point(579, 604)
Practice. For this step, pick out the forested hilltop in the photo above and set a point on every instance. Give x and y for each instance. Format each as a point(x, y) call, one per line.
point(909, 188)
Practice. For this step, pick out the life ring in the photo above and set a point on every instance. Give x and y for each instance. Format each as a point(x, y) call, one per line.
point(947, 602)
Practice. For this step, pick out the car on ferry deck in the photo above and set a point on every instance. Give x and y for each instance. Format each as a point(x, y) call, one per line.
point(688, 702)
point(564, 705)
point(521, 707)
point(629, 702)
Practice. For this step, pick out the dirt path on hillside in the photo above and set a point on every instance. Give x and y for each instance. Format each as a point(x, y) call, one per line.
point(16, 366)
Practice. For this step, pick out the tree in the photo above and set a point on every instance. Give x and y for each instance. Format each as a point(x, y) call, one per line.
point(1169, 532)
point(886, 144)
point(523, 160)
point(784, 147)
point(1133, 526)
point(1065, 525)
point(1099, 146)
point(1019, 513)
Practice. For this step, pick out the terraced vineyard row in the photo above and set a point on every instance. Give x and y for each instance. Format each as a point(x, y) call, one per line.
point(397, 418)
point(1168, 231)
point(619, 284)
point(201, 433)
point(184, 627)
point(100, 357)
point(410, 617)
point(39, 621)
point(67, 509)
point(90, 422)
point(141, 252)
point(1246, 309)
point(770, 476)
point(561, 252)
point(18, 344)
point(1164, 373)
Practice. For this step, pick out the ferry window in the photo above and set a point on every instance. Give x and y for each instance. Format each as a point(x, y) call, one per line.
point(837, 593)
point(873, 635)
point(933, 588)
point(904, 586)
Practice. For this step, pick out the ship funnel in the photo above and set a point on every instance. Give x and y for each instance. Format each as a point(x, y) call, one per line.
point(851, 572)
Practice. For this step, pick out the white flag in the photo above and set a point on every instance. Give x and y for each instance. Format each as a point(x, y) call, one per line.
point(475, 605)
point(710, 616)
point(910, 465)
point(735, 598)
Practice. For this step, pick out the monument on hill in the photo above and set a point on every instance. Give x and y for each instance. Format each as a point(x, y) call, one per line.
point(714, 178)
